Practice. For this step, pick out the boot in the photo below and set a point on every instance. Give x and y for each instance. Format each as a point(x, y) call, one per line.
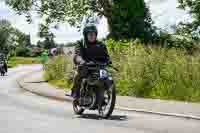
point(75, 91)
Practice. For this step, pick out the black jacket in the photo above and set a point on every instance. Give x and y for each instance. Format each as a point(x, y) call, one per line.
point(96, 52)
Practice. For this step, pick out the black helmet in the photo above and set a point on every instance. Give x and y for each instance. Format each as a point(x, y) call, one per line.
point(89, 28)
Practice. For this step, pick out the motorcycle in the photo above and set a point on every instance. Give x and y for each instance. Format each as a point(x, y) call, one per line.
point(2, 69)
point(97, 91)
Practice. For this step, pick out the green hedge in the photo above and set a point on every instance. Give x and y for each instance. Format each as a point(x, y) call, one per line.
point(23, 52)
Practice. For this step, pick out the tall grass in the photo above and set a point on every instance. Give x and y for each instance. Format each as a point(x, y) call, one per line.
point(155, 72)
point(146, 71)
point(58, 70)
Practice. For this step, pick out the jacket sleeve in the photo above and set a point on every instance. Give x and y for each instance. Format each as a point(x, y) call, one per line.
point(107, 54)
point(78, 55)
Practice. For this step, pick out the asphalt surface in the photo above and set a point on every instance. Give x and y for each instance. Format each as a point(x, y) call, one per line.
point(23, 112)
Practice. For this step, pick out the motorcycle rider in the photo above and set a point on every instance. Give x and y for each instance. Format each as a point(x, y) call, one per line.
point(3, 60)
point(87, 50)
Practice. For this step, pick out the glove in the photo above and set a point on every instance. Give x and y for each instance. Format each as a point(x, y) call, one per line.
point(109, 62)
point(90, 62)
point(80, 60)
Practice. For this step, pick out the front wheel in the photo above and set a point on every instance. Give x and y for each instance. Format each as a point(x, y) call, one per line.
point(3, 73)
point(109, 102)
point(77, 109)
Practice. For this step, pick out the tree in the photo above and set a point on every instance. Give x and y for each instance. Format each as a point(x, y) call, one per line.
point(23, 39)
point(11, 38)
point(192, 28)
point(39, 44)
point(48, 43)
point(6, 36)
point(28, 41)
point(135, 20)
point(131, 19)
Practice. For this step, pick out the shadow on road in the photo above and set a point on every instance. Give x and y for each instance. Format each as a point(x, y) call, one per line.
point(37, 82)
point(97, 117)
point(6, 75)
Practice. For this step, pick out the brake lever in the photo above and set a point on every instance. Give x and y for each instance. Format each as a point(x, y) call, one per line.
point(116, 69)
point(90, 63)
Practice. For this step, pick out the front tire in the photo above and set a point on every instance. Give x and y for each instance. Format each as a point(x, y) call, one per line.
point(106, 114)
point(77, 109)
point(2, 73)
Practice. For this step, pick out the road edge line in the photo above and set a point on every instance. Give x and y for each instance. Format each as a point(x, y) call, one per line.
point(158, 113)
point(68, 99)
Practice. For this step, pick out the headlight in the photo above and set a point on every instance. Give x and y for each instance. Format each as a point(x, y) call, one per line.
point(103, 74)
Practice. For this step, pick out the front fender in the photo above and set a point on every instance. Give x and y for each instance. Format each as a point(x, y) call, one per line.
point(109, 82)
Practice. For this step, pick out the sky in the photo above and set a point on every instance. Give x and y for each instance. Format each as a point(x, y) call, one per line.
point(164, 14)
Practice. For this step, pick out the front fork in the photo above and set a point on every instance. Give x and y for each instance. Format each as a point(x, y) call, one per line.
point(101, 91)
point(100, 94)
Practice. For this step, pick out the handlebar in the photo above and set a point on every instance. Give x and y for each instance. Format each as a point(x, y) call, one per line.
point(96, 64)
point(116, 69)
point(101, 64)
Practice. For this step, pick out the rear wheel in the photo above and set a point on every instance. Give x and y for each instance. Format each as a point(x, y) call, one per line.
point(109, 102)
point(77, 109)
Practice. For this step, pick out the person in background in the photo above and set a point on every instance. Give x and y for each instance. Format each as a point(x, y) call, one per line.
point(3, 59)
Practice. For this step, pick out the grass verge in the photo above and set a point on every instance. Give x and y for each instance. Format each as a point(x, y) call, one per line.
point(22, 60)
point(61, 84)
point(145, 71)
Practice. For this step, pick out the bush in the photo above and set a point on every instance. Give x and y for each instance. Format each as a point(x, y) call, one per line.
point(37, 54)
point(23, 51)
point(63, 84)
point(12, 53)
point(59, 68)
point(175, 41)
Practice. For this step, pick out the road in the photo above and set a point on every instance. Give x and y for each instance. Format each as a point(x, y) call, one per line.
point(23, 112)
